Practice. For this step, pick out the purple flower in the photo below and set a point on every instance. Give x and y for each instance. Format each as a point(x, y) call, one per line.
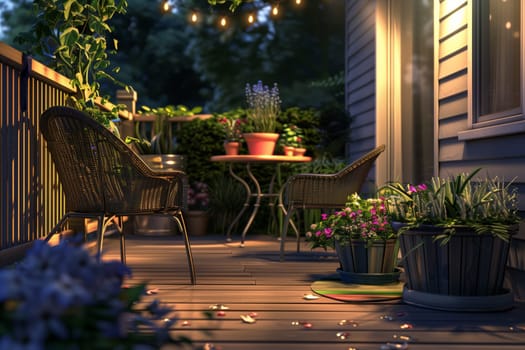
point(422, 187)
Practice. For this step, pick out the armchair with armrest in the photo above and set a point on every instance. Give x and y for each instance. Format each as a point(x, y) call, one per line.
point(324, 191)
point(104, 179)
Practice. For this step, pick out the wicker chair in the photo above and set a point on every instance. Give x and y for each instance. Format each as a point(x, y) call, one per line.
point(324, 191)
point(104, 179)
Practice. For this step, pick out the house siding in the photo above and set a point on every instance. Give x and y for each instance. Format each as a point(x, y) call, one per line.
point(494, 155)
point(360, 76)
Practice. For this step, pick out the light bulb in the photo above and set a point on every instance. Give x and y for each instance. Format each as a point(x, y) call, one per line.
point(194, 17)
point(251, 19)
point(298, 2)
point(223, 22)
point(165, 6)
point(275, 10)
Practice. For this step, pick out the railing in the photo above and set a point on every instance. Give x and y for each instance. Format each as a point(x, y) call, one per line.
point(31, 198)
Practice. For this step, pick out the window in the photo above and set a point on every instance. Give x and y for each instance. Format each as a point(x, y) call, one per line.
point(498, 88)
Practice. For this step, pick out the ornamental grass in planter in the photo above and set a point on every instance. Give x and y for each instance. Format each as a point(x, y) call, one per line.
point(454, 237)
point(363, 238)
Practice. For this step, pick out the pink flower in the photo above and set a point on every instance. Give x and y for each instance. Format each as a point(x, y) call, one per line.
point(422, 187)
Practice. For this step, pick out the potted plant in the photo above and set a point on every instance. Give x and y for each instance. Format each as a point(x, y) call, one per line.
point(157, 137)
point(292, 140)
point(454, 236)
point(363, 238)
point(197, 214)
point(264, 105)
point(232, 122)
point(61, 297)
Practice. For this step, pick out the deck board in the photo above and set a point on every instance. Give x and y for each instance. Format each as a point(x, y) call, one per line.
point(252, 279)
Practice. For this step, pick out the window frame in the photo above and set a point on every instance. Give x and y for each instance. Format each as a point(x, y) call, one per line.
point(501, 123)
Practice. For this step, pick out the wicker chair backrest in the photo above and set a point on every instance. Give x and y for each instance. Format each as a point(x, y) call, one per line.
point(98, 171)
point(327, 191)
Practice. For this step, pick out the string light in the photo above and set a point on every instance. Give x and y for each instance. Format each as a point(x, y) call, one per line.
point(194, 17)
point(165, 6)
point(251, 16)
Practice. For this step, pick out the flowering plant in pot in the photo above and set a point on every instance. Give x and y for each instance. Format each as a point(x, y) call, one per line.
point(198, 203)
point(232, 123)
point(264, 105)
point(453, 222)
point(61, 297)
point(363, 238)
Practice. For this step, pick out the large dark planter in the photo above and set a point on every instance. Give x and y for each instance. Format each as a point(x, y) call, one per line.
point(466, 274)
point(373, 264)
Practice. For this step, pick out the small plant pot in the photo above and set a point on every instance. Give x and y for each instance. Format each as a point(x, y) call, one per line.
point(231, 148)
point(299, 152)
point(196, 222)
point(288, 150)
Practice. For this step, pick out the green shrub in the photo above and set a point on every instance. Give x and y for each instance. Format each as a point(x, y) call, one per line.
point(198, 140)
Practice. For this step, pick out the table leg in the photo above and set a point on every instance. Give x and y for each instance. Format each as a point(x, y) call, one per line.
point(246, 202)
point(256, 205)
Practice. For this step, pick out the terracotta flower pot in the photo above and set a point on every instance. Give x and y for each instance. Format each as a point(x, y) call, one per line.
point(231, 148)
point(261, 143)
point(196, 222)
point(299, 152)
point(288, 151)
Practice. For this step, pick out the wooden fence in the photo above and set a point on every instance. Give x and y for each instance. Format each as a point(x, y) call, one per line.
point(31, 199)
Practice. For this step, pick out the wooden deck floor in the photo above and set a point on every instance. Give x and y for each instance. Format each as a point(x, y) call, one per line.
point(251, 279)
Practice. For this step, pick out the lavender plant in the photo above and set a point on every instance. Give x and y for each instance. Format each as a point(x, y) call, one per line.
point(264, 105)
point(61, 297)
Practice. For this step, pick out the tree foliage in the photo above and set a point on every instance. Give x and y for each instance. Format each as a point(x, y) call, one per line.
point(169, 61)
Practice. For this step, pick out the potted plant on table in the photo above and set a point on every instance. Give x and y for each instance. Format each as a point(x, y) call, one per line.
point(232, 123)
point(454, 236)
point(363, 238)
point(292, 140)
point(264, 105)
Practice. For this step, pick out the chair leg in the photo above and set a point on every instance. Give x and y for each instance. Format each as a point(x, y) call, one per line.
point(58, 227)
point(179, 218)
point(102, 224)
point(100, 236)
point(119, 224)
point(284, 230)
